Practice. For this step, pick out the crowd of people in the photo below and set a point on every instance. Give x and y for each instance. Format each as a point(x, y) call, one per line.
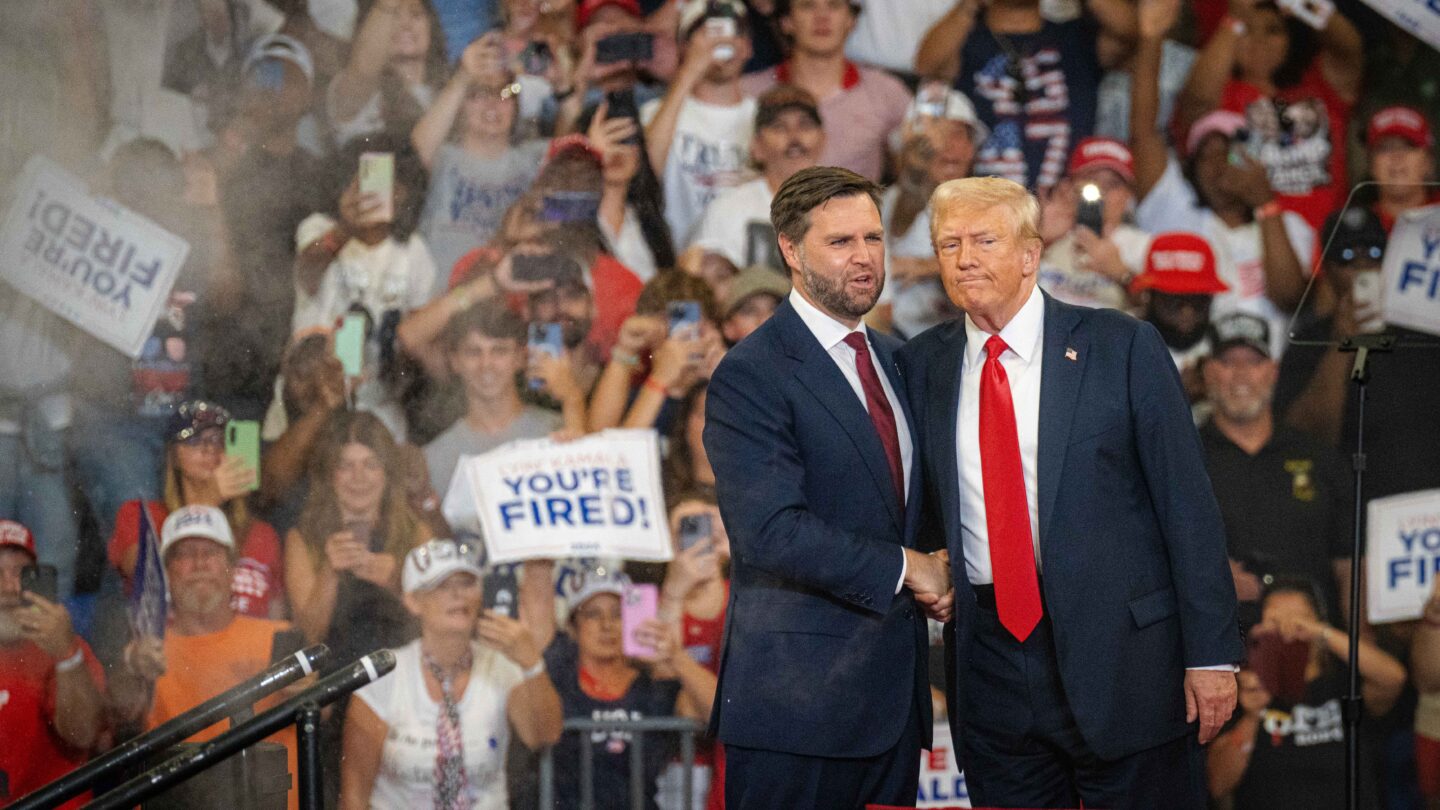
point(447, 175)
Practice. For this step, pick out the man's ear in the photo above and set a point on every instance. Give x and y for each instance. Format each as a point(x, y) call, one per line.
point(1031, 256)
point(790, 252)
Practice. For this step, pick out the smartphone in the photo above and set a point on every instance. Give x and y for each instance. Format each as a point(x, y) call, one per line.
point(242, 438)
point(41, 580)
point(695, 529)
point(365, 535)
point(635, 46)
point(268, 74)
point(536, 58)
point(545, 338)
point(350, 344)
point(545, 267)
point(1367, 291)
point(1280, 665)
point(722, 28)
point(639, 604)
point(377, 177)
point(684, 318)
point(1090, 208)
point(1314, 13)
point(621, 104)
point(502, 592)
point(570, 206)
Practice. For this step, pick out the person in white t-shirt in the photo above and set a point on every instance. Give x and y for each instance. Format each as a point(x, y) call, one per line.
point(1262, 254)
point(1079, 265)
point(434, 733)
point(397, 66)
point(788, 137)
point(888, 34)
point(698, 135)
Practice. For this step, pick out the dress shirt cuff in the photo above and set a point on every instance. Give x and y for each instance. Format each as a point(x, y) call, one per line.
point(1216, 668)
point(904, 569)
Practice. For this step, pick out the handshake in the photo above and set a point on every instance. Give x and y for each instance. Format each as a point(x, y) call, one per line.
point(928, 577)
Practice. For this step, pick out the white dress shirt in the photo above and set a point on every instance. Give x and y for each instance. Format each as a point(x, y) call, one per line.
point(1025, 335)
point(831, 334)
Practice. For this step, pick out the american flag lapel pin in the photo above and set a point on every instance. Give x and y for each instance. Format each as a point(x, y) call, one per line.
point(1071, 355)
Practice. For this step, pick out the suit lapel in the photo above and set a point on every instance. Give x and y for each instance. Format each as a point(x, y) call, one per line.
point(1063, 366)
point(818, 372)
point(942, 407)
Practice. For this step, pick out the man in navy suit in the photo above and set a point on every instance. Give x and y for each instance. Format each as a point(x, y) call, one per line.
point(823, 700)
point(1095, 616)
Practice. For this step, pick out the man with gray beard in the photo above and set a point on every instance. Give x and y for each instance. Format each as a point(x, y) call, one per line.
point(1284, 496)
point(208, 647)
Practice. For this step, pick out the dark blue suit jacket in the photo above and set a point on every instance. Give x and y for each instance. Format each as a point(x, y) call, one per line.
point(821, 657)
point(1132, 546)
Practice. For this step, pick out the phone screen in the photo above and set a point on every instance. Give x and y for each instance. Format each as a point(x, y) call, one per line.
point(41, 580)
point(684, 319)
point(639, 605)
point(539, 268)
point(635, 46)
point(1090, 208)
point(377, 177)
point(545, 338)
point(502, 592)
point(694, 529)
point(242, 439)
point(350, 344)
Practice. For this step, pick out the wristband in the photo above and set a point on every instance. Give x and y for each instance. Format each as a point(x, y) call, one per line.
point(535, 669)
point(333, 241)
point(654, 385)
point(75, 660)
point(1268, 210)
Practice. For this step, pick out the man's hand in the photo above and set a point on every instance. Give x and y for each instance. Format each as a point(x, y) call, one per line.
point(510, 636)
point(343, 552)
point(145, 658)
point(927, 574)
point(1247, 585)
point(938, 606)
point(47, 624)
point(1210, 698)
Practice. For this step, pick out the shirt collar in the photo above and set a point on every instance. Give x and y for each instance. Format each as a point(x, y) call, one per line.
point(848, 79)
point(826, 329)
point(1022, 334)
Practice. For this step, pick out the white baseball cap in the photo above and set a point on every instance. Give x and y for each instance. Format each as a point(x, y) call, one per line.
point(431, 564)
point(578, 585)
point(196, 521)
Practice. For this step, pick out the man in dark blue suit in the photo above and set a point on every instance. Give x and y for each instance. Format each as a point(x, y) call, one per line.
point(823, 700)
point(1095, 616)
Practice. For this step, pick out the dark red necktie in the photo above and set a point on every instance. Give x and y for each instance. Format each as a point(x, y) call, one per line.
point(880, 414)
point(1007, 516)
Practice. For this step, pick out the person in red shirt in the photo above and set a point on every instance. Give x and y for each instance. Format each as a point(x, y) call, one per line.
point(198, 472)
point(1296, 86)
point(51, 709)
point(1400, 143)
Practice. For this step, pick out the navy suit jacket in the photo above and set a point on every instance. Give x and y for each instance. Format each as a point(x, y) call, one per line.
point(820, 657)
point(1132, 547)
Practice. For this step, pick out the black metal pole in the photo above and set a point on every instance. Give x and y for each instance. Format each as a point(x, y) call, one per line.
point(135, 751)
point(1352, 707)
point(307, 741)
point(209, 754)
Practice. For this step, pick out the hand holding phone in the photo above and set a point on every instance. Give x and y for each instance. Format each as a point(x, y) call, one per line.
point(350, 344)
point(376, 180)
point(546, 340)
point(684, 319)
point(1280, 664)
point(40, 580)
point(695, 529)
point(502, 592)
point(1090, 209)
point(242, 441)
point(721, 28)
point(633, 46)
point(638, 605)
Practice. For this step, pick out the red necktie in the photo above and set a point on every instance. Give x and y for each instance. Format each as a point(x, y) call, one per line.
point(1007, 517)
point(880, 414)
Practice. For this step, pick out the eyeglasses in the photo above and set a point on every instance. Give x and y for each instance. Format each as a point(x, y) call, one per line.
point(1351, 255)
point(206, 439)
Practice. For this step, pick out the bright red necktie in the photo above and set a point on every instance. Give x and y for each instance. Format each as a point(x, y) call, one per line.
point(1007, 517)
point(880, 413)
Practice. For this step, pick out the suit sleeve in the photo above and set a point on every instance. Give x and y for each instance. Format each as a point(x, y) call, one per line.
point(759, 479)
point(1173, 464)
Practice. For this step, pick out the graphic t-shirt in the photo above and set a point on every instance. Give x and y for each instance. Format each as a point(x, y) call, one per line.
point(707, 155)
point(32, 754)
point(1038, 96)
point(1299, 134)
point(469, 196)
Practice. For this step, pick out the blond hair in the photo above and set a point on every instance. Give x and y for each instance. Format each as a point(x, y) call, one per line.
point(981, 193)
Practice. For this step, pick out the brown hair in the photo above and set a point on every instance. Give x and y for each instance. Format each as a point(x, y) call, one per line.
point(676, 285)
point(810, 188)
point(489, 318)
point(174, 496)
point(321, 515)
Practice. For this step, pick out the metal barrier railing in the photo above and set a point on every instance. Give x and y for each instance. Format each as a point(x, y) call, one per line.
point(684, 726)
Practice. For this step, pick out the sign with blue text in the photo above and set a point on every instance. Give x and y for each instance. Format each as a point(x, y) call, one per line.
point(93, 262)
point(1412, 270)
point(1402, 554)
point(599, 496)
point(1421, 18)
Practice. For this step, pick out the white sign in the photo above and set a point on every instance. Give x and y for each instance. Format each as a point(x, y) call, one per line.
point(1412, 270)
point(93, 262)
point(941, 783)
point(599, 496)
point(1402, 554)
point(1421, 18)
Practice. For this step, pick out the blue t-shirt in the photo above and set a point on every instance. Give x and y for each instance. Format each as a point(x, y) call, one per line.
point(1032, 132)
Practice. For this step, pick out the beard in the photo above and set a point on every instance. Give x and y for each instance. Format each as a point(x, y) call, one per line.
point(832, 296)
point(200, 599)
point(9, 627)
point(1178, 339)
point(1242, 404)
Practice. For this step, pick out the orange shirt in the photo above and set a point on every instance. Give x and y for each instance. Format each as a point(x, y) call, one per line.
point(198, 668)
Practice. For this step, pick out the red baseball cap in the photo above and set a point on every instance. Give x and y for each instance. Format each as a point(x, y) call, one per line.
point(1180, 264)
point(1103, 153)
point(587, 8)
point(1403, 122)
point(15, 535)
point(574, 142)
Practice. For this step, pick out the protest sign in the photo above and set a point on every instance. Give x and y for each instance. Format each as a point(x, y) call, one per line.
point(1412, 270)
point(93, 262)
point(1402, 554)
point(599, 496)
point(1420, 18)
point(941, 782)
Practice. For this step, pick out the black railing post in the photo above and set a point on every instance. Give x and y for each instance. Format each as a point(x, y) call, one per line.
point(307, 741)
